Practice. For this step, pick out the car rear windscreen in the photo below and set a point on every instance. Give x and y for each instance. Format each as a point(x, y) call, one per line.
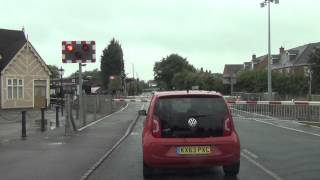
point(199, 116)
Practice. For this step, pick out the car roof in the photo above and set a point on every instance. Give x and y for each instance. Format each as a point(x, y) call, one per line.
point(186, 93)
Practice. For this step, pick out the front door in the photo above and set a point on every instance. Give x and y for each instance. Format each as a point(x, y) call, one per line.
point(40, 93)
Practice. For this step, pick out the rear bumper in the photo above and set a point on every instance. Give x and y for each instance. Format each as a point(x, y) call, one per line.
point(161, 152)
point(156, 161)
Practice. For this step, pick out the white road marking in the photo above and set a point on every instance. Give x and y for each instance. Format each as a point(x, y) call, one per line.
point(256, 114)
point(250, 153)
point(95, 122)
point(134, 134)
point(56, 143)
point(270, 173)
point(280, 120)
point(288, 128)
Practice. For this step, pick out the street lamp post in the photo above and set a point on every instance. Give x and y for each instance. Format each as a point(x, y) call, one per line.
point(263, 4)
point(310, 83)
point(159, 74)
point(61, 70)
point(231, 83)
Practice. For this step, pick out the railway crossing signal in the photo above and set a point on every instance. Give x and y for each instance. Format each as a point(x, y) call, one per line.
point(78, 51)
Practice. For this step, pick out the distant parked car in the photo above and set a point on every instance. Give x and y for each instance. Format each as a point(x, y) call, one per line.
point(189, 129)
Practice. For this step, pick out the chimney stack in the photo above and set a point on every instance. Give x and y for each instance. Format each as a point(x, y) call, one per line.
point(254, 57)
point(281, 50)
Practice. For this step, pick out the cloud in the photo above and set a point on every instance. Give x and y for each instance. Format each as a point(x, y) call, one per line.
point(209, 33)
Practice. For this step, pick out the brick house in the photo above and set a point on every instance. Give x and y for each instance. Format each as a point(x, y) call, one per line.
point(230, 72)
point(24, 78)
point(290, 61)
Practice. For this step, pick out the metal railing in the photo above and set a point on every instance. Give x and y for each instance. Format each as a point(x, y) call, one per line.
point(308, 111)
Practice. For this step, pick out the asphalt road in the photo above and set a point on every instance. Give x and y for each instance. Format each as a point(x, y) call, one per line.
point(267, 152)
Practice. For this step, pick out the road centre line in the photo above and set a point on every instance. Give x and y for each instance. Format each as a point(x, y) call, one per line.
point(250, 153)
point(264, 169)
point(95, 122)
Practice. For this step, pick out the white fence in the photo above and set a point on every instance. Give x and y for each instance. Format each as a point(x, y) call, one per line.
point(308, 111)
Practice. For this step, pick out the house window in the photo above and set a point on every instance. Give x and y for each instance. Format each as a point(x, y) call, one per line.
point(15, 89)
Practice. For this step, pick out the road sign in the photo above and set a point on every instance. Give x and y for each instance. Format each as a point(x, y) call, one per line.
point(78, 51)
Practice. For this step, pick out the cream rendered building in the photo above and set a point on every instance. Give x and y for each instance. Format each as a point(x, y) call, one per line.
point(25, 78)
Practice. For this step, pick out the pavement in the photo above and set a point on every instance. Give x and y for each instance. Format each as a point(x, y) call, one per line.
point(10, 122)
point(269, 151)
point(51, 155)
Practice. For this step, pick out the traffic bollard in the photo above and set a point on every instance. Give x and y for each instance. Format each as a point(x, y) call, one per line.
point(57, 117)
point(23, 123)
point(42, 120)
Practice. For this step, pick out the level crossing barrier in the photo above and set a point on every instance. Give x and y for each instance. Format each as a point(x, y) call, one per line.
point(308, 111)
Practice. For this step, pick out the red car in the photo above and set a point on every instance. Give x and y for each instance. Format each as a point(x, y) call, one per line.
point(189, 129)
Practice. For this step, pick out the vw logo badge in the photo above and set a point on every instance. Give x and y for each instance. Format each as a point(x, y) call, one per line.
point(192, 122)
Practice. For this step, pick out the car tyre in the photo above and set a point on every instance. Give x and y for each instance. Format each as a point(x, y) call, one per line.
point(147, 171)
point(232, 170)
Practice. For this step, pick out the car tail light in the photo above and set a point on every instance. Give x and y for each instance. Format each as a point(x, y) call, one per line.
point(156, 127)
point(228, 127)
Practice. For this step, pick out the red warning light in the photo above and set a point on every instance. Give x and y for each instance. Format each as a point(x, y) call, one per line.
point(69, 47)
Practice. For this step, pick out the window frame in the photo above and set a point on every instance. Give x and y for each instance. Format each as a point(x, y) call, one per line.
point(18, 86)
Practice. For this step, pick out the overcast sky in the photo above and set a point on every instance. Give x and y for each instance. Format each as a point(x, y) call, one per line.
point(209, 33)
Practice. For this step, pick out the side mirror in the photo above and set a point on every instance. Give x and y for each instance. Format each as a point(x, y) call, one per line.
point(142, 112)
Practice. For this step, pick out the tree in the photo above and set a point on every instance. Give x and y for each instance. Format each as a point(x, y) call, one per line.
point(252, 81)
point(205, 80)
point(315, 61)
point(284, 84)
point(165, 70)
point(55, 74)
point(111, 62)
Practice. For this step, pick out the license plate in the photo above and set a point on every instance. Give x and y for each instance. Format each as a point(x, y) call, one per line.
point(193, 150)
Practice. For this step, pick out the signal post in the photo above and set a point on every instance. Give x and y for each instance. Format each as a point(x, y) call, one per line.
point(80, 52)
